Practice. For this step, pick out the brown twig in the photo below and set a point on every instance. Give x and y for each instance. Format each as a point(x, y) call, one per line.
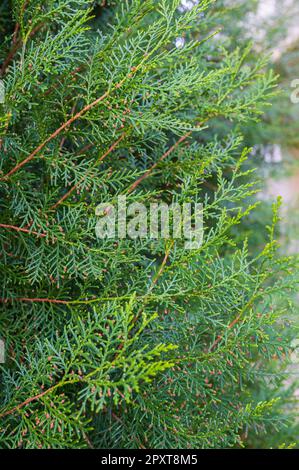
point(20, 229)
point(26, 402)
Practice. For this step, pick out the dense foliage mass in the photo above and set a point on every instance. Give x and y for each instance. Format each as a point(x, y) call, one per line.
point(120, 342)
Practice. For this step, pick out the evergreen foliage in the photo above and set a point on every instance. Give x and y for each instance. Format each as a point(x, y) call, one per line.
point(132, 343)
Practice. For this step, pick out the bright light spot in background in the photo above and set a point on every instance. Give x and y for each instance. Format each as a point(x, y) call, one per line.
point(256, 22)
point(179, 42)
point(187, 4)
point(267, 8)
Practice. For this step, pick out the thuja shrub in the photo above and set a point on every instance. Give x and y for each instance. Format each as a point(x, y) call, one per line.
point(121, 342)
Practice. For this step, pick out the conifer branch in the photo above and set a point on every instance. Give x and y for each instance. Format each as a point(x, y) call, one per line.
point(75, 186)
point(24, 230)
point(165, 155)
point(149, 340)
point(64, 126)
point(15, 47)
point(235, 320)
